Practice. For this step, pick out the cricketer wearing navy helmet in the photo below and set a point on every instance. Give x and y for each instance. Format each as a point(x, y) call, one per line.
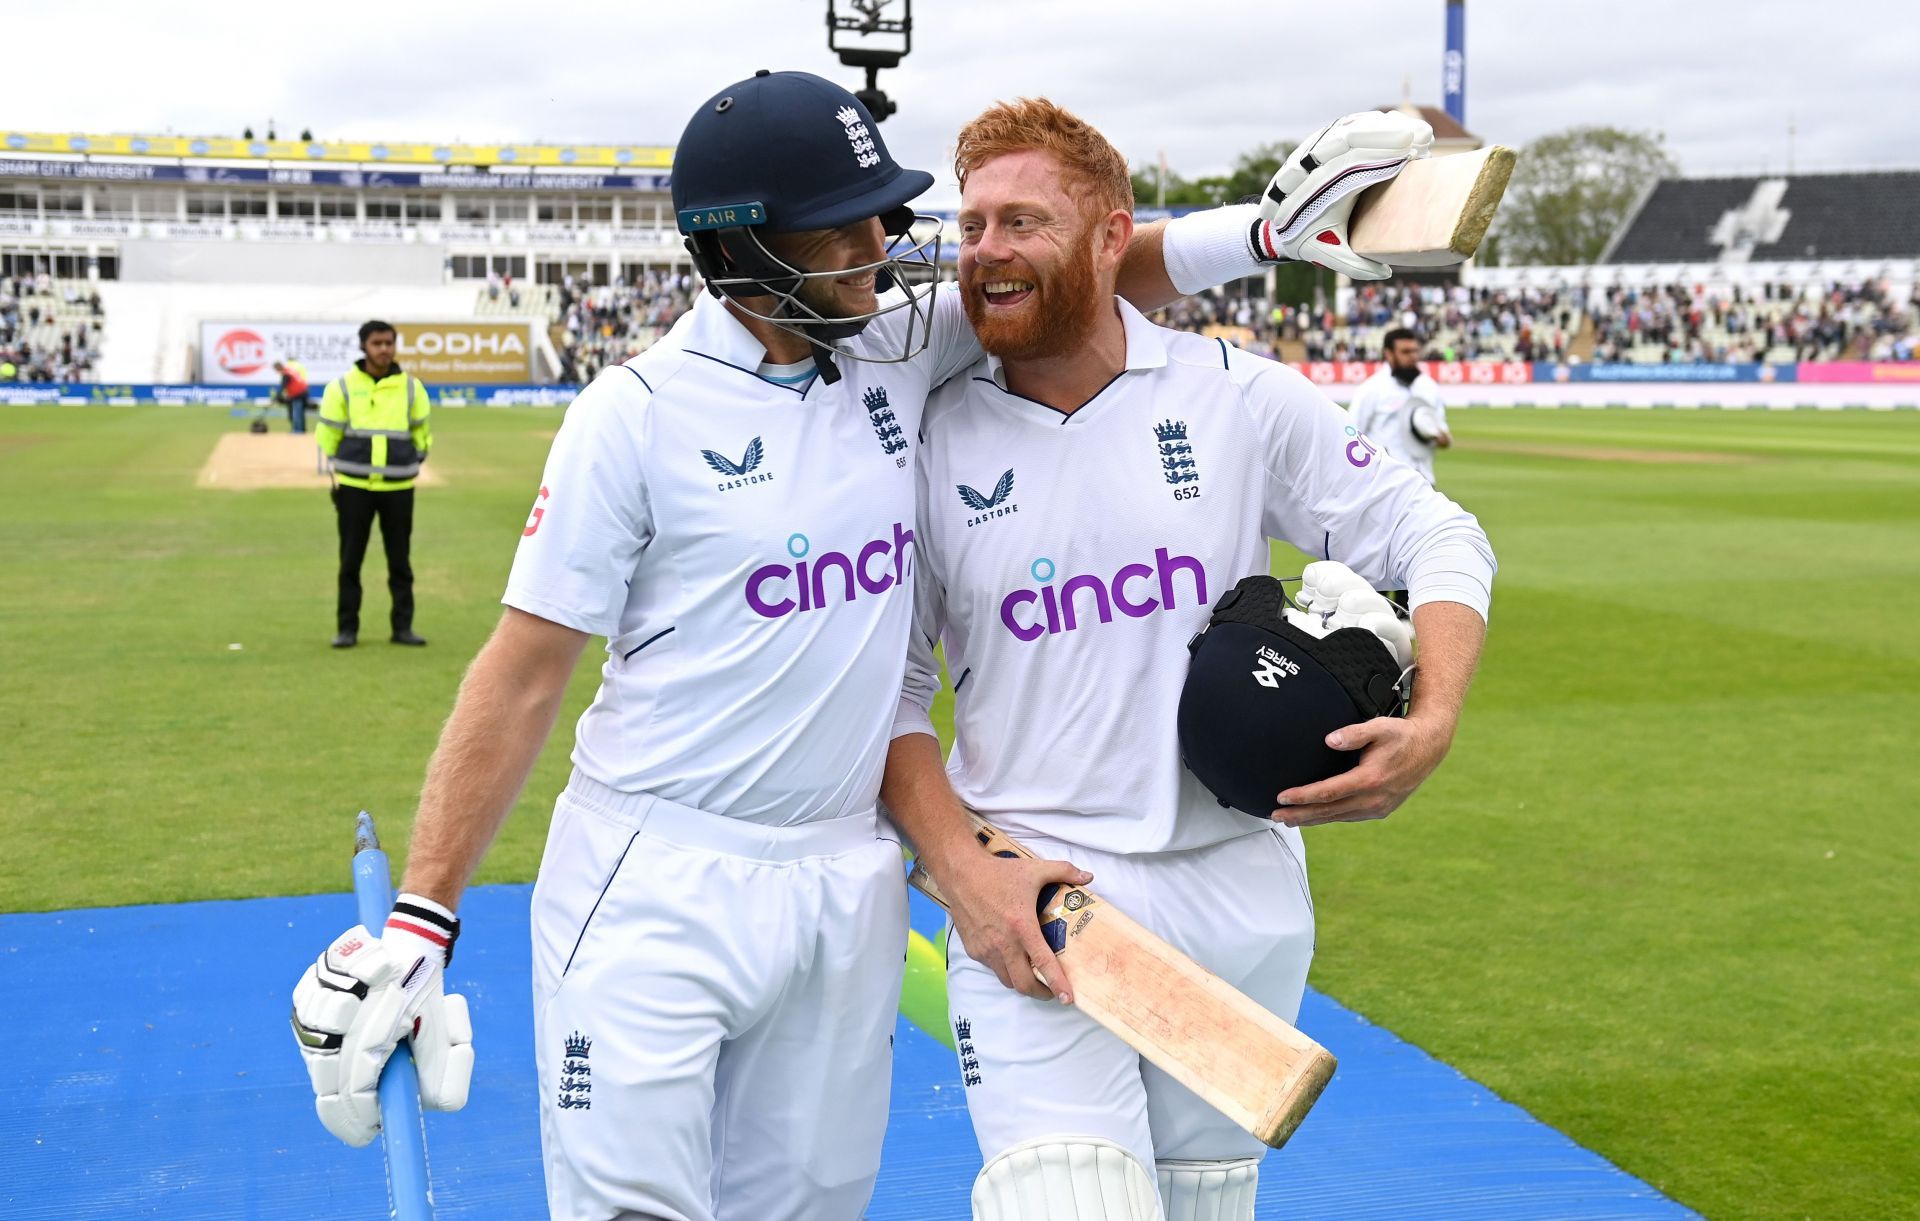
point(806, 231)
point(719, 921)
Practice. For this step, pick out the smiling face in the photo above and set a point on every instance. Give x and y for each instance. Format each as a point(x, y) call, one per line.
point(1038, 257)
point(823, 250)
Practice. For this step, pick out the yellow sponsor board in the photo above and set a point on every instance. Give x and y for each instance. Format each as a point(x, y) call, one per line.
point(565, 156)
point(466, 351)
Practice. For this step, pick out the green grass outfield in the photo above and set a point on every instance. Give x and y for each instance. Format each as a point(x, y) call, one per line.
point(1663, 894)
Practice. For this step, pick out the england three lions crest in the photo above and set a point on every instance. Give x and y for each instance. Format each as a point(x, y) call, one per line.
point(885, 426)
point(576, 1074)
point(1176, 459)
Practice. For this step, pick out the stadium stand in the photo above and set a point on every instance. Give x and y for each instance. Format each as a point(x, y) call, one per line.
point(599, 325)
point(1668, 322)
point(1807, 267)
point(1457, 322)
point(1802, 216)
point(50, 330)
point(173, 233)
point(1678, 323)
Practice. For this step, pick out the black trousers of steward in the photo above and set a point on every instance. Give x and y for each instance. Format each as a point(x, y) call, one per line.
point(356, 509)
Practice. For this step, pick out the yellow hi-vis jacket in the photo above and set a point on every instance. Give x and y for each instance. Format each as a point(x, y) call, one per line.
point(375, 432)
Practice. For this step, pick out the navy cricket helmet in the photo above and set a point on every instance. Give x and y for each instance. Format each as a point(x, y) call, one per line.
point(786, 152)
point(1262, 695)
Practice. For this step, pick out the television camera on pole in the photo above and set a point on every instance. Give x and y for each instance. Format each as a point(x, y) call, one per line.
point(851, 24)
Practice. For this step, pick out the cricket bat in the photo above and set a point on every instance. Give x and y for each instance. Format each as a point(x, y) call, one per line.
point(1248, 1064)
point(1434, 212)
point(409, 1195)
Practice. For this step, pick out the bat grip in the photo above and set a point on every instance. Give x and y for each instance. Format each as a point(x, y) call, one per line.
point(402, 1126)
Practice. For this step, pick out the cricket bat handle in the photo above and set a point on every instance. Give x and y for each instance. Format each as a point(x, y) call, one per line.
point(923, 882)
point(402, 1127)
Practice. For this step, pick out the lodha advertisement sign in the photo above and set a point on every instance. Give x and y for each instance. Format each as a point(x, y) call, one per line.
point(467, 352)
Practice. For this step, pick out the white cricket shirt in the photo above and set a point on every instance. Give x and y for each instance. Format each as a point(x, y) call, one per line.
point(747, 548)
point(1384, 410)
point(1066, 560)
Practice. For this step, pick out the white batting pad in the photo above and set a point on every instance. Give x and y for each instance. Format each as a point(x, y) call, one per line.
point(1064, 1178)
point(1208, 1191)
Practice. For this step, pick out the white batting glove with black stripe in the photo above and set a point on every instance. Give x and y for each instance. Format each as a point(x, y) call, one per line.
point(362, 997)
point(1305, 208)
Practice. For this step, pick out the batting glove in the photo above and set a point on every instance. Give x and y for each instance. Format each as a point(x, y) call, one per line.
point(365, 994)
point(1333, 596)
point(1308, 203)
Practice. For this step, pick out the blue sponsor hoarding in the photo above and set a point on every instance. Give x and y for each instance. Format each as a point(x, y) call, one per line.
point(24, 394)
point(1665, 373)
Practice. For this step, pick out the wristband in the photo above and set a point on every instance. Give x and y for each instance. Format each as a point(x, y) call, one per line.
point(427, 920)
point(1217, 246)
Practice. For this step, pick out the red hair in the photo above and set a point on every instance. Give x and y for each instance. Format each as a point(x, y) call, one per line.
point(1036, 124)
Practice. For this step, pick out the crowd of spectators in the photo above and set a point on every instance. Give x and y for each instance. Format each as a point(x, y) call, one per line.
point(605, 324)
point(49, 330)
point(1677, 323)
point(1659, 324)
point(1453, 321)
point(498, 284)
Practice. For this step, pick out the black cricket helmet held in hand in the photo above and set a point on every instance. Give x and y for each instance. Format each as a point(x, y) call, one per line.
point(1262, 695)
point(788, 152)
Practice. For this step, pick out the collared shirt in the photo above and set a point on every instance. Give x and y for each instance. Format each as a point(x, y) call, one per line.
point(1387, 413)
point(747, 547)
point(1066, 560)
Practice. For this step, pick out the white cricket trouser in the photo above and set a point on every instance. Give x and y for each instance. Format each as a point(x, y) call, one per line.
point(713, 1009)
point(1037, 1068)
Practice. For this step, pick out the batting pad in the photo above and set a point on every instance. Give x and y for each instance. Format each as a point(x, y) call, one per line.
point(157, 1079)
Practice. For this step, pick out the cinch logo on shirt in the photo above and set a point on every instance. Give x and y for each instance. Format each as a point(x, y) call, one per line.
point(1360, 451)
point(774, 590)
point(1131, 591)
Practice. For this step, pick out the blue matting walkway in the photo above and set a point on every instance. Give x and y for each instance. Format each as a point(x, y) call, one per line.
point(152, 1073)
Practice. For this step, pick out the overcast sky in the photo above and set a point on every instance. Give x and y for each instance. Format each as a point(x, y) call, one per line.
point(1202, 80)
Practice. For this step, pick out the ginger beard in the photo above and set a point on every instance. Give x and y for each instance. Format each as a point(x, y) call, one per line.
point(1052, 318)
